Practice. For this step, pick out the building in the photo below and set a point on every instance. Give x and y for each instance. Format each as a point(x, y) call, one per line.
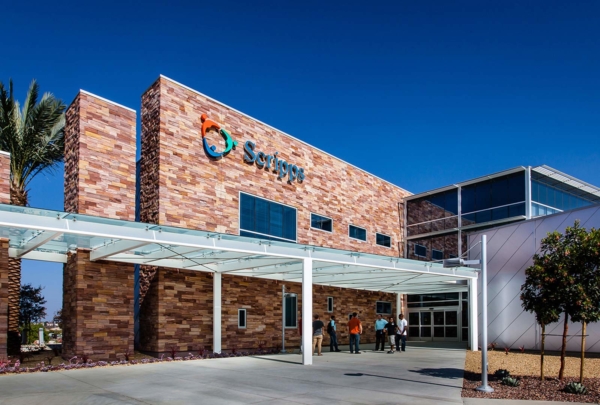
point(247, 231)
point(438, 220)
point(440, 223)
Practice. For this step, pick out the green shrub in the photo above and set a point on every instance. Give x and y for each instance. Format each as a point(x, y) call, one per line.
point(501, 373)
point(575, 388)
point(511, 382)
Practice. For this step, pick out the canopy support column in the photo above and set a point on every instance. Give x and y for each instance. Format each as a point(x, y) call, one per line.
point(307, 304)
point(217, 312)
point(473, 321)
point(398, 306)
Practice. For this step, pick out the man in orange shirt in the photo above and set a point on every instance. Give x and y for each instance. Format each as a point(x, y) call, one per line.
point(355, 330)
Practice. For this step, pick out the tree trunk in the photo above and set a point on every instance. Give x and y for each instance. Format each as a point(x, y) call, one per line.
point(542, 352)
point(583, 328)
point(563, 351)
point(14, 298)
point(18, 196)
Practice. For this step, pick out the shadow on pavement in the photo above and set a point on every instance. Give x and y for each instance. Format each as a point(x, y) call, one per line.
point(401, 379)
point(452, 373)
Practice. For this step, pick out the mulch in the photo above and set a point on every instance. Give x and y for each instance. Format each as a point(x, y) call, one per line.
point(531, 388)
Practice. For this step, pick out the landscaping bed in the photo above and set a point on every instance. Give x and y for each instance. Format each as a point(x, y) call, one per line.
point(526, 368)
point(39, 362)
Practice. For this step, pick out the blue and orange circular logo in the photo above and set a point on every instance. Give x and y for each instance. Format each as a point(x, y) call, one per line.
point(211, 150)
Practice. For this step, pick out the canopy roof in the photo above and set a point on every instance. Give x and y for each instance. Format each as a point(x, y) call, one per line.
point(46, 235)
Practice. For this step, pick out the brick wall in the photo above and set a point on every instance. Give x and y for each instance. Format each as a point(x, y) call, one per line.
point(4, 199)
point(4, 178)
point(100, 147)
point(177, 311)
point(99, 302)
point(3, 297)
point(181, 186)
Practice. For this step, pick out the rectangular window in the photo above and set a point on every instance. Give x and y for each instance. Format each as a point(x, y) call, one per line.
point(329, 304)
point(242, 318)
point(383, 240)
point(384, 307)
point(291, 311)
point(263, 219)
point(437, 254)
point(321, 222)
point(420, 251)
point(357, 233)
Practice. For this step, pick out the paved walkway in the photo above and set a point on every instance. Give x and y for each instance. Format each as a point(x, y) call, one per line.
point(422, 375)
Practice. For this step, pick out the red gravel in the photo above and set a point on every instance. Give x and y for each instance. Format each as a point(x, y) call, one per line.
point(532, 388)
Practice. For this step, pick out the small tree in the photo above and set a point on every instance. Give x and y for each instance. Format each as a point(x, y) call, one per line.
point(58, 318)
point(565, 278)
point(585, 306)
point(536, 297)
point(32, 307)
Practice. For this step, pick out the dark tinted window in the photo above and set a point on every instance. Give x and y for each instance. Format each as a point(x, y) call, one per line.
point(357, 233)
point(437, 254)
point(420, 250)
point(319, 222)
point(384, 307)
point(291, 311)
point(383, 240)
point(266, 219)
point(241, 318)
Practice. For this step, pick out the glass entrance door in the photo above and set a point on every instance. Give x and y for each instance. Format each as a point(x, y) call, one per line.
point(435, 325)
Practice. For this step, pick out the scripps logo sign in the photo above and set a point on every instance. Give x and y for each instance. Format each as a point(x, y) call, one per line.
point(274, 163)
point(262, 160)
point(212, 150)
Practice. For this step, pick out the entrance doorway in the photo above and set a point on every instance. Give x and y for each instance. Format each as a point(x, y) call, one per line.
point(434, 324)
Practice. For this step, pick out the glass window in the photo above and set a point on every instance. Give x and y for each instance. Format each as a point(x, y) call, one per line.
point(260, 218)
point(516, 187)
point(383, 307)
point(437, 254)
point(320, 222)
point(383, 240)
point(420, 251)
point(357, 233)
point(291, 311)
point(329, 304)
point(242, 318)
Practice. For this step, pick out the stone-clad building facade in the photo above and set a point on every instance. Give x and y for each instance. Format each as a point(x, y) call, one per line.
point(100, 147)
point(180, 185)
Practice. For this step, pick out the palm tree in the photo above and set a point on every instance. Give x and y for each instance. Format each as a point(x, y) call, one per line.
point(34, 137)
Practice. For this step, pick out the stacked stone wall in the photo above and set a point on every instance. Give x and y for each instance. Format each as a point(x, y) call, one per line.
point(100, 308)
point(181, 186)
point(177, 312)
point(100, 171)
point(3, 298)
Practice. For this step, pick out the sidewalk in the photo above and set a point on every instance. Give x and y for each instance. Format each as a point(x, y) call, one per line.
point(485, 401)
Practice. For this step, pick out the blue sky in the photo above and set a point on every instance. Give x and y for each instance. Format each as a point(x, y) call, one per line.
point(422, 94)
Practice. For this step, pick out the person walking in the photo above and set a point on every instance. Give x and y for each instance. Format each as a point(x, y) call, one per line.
point(332, 331)
point(354, 330)
point(401, 333)
point(391, 329)
point(380, 332)
point(317, 326)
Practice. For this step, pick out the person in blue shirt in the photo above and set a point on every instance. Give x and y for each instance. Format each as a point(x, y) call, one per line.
point(332, 331)
point(380, 333)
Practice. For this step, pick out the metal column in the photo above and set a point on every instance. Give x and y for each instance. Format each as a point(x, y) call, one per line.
point(217, 312)
point(307, 304)
point(473, 321)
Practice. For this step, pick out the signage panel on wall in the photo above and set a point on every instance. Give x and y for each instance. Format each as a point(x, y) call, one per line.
point(262, 160)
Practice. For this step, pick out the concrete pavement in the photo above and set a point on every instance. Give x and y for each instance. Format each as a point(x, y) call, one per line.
point(421, 375)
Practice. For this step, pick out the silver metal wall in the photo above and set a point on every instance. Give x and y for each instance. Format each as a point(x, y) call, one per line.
point(510, 252)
